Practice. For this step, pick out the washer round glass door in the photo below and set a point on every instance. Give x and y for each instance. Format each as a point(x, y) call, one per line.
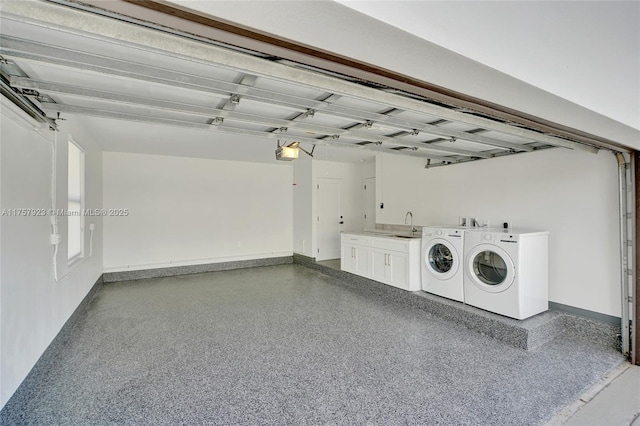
point(442, 259)
point(491, 269)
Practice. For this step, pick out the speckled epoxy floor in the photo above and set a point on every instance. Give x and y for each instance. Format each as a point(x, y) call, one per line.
point(287, 345)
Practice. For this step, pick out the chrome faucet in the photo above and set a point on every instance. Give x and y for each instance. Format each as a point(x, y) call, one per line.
point(409, 214)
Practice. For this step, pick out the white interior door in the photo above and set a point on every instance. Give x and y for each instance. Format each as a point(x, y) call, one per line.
point(370, 203)
point(329, 218)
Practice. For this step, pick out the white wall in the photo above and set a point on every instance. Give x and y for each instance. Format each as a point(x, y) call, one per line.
point(33, 306)
point(369, 169)
point(193, 211)
point(572, 194)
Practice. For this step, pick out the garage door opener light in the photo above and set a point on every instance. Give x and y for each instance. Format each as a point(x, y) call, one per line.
point(291, 151)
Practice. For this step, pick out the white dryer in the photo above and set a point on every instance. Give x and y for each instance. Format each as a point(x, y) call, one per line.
point(442, 251)
point(507, 271)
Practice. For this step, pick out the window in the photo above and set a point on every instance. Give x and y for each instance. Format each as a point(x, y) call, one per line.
point(75, 223)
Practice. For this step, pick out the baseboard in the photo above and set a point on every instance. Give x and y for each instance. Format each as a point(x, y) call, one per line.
point(111, 277)
point(172, 263)
point(596, 316)
point(302, 259)
point(45, 361)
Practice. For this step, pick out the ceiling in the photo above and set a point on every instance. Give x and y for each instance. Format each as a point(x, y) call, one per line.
point(139, 90)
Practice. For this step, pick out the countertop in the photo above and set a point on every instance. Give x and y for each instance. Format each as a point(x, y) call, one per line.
point(397, 235)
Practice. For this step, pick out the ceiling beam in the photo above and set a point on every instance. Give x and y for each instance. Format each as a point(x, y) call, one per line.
point(17, 48)
point(101, 113)
point(247, 80)
point(58, 88)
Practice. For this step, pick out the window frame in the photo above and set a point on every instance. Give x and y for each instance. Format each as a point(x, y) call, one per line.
point(77, 256)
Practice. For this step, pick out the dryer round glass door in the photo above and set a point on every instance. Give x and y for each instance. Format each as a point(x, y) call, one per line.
point(491, 268)
point(441, 259)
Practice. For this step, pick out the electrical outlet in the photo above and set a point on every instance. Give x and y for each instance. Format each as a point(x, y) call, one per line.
point(462, 221)
point(55, 239)
point(472, 222)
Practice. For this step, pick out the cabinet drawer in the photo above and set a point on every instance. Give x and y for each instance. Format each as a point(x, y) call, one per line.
point(356, 239)
point(391, 244)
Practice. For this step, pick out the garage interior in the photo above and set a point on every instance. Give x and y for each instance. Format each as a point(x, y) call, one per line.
point(215, 247)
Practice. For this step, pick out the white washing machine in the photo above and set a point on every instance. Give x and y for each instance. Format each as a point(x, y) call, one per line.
point(442, 251)
point(507, 271)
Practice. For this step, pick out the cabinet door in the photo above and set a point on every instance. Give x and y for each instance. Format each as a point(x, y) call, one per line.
point(363, 260)
point(379, 265)
point(348, 258)
point(398, 269)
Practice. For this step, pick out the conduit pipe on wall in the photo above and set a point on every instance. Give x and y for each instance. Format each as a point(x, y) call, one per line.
point(90, 240)
point(625, 245)
point(55, 235)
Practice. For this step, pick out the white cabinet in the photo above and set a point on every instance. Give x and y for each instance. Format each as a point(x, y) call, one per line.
point(391, 263)
point(363, 259)
point(379, 266)
point(391, 267)
point(348, 260)
point(355, 254)
point(398, 270)
point(387, 259)
point(355, 259)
